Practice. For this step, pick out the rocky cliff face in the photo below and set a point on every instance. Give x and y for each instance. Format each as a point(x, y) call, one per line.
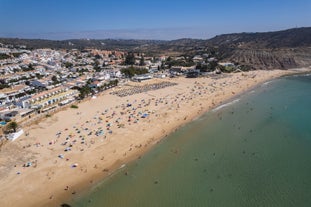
point(272, 58)
point(282, 49)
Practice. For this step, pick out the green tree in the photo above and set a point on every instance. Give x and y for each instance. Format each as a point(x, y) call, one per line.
point(2, 86)
point(39, 76)
point(12, 126)
point(96, 63)
point(202, 67)
point(130, 59)
point(131, 71)
point(54, 79)
point(89, 81)
point(96, 66)
point(97, 56)
point(84, 91)
point(198, 66)
point(68, 64)
point(28, 68)
point(212, 66)
point(114, 82)
point(4, 56)
point(142, 61)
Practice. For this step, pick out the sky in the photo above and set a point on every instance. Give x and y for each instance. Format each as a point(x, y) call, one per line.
point(148, 19)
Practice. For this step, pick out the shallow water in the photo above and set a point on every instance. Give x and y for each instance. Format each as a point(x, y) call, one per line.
point(253, 152)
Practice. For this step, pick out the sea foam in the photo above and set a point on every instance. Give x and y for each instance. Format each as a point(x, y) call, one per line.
point(225, 105)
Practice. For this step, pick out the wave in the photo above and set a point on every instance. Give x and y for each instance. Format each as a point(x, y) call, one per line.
point(302, 75)
point(266, 83)
point(122, 166)
point(225, 105)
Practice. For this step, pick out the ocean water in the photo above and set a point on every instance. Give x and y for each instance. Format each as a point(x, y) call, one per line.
point(255, 151)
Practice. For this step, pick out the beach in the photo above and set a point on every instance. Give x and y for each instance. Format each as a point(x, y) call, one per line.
point(73, 149)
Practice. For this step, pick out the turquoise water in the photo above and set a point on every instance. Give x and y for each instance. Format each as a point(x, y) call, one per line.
point(253, 152)
point(2, 123)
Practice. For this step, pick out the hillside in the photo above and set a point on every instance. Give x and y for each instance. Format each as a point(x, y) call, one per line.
point(282, 49)
point(291, 38)
point(113, 44)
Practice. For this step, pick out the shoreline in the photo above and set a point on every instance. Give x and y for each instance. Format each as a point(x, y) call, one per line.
point(117, 168)
point(172, 115)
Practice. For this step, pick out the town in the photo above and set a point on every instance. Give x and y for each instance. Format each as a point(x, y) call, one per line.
point(35, 83)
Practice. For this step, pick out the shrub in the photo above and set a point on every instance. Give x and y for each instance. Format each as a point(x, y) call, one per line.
point(74, 106)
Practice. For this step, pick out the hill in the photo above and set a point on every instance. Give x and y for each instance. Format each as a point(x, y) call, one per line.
point(291, 38)
point(113, 44)
point(282, 49)
point(261, 50)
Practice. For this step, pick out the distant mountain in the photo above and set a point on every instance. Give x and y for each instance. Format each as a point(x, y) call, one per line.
point(114, 44)
point(281, 49)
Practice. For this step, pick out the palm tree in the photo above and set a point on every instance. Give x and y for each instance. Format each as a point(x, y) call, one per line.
point(12, 126)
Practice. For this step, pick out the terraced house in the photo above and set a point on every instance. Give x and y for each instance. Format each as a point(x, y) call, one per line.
point(50, 99)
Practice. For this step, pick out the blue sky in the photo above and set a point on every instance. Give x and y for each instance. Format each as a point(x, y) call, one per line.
point(153, 19)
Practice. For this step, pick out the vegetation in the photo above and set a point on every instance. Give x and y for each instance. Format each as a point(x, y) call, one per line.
point(201, 67)
point(96, 66)
point(131, 71)
point(183, 63)
point(68, 64)
point(245, 67)
point(142, 61)
point(74, 106)
point(2, 86)
point(97, 56)
point(39, 76)
point(12, 126)
point(55, 80)
point(4, 56)
point(113, 82)
point(29, 68)
point(84, 91)
point(81, 44)
point(109, 85)
point(82, 70)
point(17, 54)
point(130, 59)
point(297, 37)
point(227, 69)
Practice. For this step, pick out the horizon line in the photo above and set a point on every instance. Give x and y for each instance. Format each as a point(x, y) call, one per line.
point(123, 34)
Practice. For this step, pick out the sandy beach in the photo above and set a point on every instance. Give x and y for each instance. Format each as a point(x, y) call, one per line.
point(68, 152)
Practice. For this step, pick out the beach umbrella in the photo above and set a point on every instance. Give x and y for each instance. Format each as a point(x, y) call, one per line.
point(74, 165)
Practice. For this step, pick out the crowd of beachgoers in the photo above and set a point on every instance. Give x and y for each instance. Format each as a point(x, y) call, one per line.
point(81, 135)
point(78, 146)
